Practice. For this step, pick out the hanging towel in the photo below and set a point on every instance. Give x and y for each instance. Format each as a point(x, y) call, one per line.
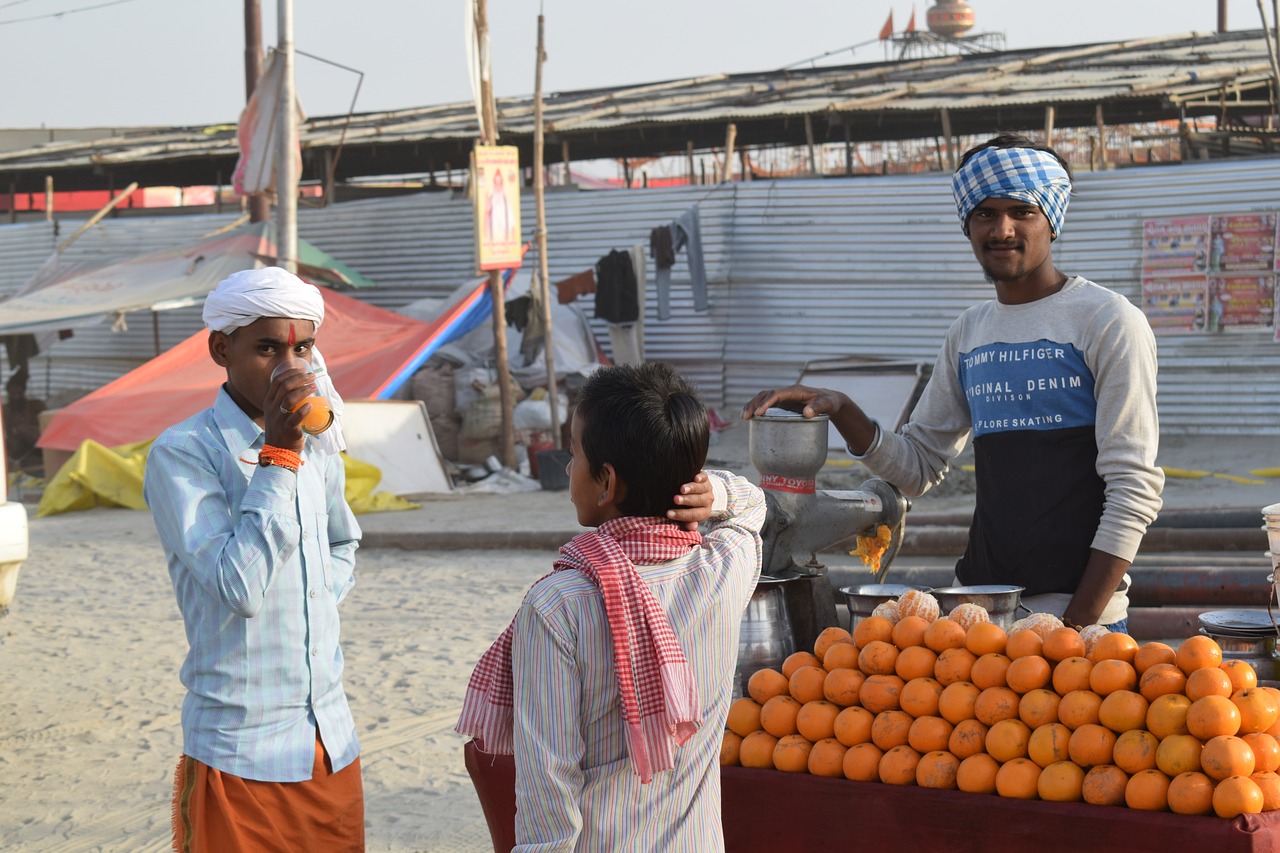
point(569, 289)
point(616, 300)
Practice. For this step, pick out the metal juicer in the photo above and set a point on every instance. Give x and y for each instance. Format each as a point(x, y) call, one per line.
point(788, 450)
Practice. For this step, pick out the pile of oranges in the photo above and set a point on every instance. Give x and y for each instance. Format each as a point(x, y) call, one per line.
point(1028, 714)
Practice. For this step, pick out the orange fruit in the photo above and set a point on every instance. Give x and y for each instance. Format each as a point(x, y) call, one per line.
point(1152, 653)
point(862, 762)
point(1007, 740)
point(1266, 751)
point(1061, 782)
point(909, 631)
point(806, 683)
point(1213, 716)
point(1104, 785)
point(1023, 642)
point(791, 754)
point(937, 769)
point(1078, 708)
point(1028, 672)
point(985, 638)
point(1241, 673)
point(1167, 715)
point(990, 671)
point(977, 774)
point(944, 634)
point(995, 704)
point(1048, 744)
point(730, 749)
point(877, 657)
point(1018, 779)
point(880, 693)
point(1225, 756)
point(764, 684)
point(1039, 707)
point(898, 766)
point(1091, 744)
point(1148, 790)
point(1062, 643)
point(872, 628)
point(1135, 750)
point(841, 686)
point(778, 716)
point(915, 662)
point(919, 697)
point(817, 720)
point(1208, 681)
point(1269, 783)
point(827, 638)
point(1160, 679)
point(929, 734)
point(840, 656)
point(1237, 795)
point(1123, 710)
point(1178, 754)
point(968, 615)
point(953, 665)
point(1191, 793)
point(1115, 645)
point(1111, 674)
point(890, 729)
point(744, 716)
point(1198, 652)
point(957, 701)
point(853, 726)
point(915, 602)
point(756, 750)
point(1071, 674)
point(1258, 709)
point(826, 758)
point(969, 737)
point(795, 660)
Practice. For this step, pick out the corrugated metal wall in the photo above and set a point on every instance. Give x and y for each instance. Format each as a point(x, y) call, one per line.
point(799, 270)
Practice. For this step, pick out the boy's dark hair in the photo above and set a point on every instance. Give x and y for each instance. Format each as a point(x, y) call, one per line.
point(648, 423)
point(1013, 140)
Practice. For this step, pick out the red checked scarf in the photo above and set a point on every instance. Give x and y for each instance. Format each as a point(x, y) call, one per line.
point(659, 697)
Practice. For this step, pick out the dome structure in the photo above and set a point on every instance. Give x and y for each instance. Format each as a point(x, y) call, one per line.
point(950, 18)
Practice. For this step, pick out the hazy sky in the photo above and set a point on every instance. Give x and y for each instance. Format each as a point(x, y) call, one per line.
point(181, 62)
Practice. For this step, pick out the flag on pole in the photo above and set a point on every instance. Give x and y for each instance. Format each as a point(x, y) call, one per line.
point(258, 132)
point(887, 29)
point(911, 25)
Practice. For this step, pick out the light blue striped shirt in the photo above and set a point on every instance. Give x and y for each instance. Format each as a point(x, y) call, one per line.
point(260, 559)
point(576, 788)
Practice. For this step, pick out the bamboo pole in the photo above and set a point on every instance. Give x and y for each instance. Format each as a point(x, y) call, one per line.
point(258, 203)
point(97, 217)
point(730, 134)
point(540, 234)
point(286, 168)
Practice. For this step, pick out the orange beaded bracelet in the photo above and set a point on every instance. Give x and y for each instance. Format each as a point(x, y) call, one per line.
point(270, 455)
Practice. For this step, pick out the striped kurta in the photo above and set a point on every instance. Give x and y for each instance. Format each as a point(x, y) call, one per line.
point(576, 787)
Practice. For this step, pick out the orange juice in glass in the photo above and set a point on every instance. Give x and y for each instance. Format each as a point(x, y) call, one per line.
point(320, 418)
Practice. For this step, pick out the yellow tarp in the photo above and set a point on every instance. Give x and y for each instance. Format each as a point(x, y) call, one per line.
point(96, 475)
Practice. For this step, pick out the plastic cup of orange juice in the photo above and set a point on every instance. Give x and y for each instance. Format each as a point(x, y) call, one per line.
point(320, 418)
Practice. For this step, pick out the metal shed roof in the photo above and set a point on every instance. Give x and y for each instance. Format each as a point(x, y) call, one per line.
point(1134, 81)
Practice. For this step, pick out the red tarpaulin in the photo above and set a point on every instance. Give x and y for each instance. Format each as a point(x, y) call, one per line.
point(362, 345)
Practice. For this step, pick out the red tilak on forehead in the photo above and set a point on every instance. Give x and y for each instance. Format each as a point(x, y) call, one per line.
point(292, 337)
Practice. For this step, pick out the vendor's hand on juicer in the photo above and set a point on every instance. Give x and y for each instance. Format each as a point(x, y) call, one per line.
point(694, 501)
point(806, 401)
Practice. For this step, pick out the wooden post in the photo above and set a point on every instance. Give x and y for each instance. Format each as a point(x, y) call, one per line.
point(1222, 16)
point(1049, 114)
point(745, 163)
point(808, 141)
point(48, 198)
point(946, 140)
point(688, 153)
point(13, 202)
point(564, 158)
point(730, 134)
point(258, 203)
point(848, 150)
point(1102, 136)
point(540, 235)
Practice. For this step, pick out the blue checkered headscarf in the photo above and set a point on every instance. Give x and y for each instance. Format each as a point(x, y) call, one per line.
point(1023, 174)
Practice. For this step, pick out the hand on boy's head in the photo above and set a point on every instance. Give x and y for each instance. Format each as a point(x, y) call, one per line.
point(693, 503)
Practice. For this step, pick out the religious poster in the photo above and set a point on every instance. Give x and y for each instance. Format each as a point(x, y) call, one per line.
point(496, 192)
point(1175, 246)
point(1175, 303)
point(1243, 241)
point(1243, 302)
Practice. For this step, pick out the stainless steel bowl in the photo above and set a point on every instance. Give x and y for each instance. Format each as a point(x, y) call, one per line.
point(864, 598)
point(1000, 600)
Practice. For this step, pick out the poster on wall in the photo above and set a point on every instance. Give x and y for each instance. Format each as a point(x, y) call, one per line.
point(1242, 303)
point(1243, 241)
point(1175, 303)
point(1175, 246)
point(496, 191)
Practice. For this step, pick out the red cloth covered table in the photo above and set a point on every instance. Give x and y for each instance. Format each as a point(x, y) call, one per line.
point(767, 810)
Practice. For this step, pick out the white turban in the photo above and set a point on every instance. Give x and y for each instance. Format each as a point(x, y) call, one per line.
point(249, 295)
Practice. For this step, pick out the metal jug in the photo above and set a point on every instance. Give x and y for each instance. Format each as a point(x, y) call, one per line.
point(766, 637)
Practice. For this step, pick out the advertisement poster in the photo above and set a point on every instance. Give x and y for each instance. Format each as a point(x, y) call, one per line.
point(1175, 246)
point(1242, 302)
point(1243, 241)
point(1175, 304)
point(496, 190)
